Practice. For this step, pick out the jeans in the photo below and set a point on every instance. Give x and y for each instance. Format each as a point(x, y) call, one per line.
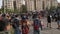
point(36, 31)
point(41, 27)
point(17, 31)
point(58, 22)
point(49, 25)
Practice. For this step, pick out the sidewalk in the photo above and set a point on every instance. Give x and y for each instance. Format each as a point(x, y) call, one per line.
point(46, 30)
point(53, 30)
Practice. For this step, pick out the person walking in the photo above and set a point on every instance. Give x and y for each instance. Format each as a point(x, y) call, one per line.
point(41, 23)
point(24, 25)
point(36, 25)
point(49, 21)
point(15, 25)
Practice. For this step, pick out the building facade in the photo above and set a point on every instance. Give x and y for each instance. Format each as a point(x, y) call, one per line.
point(58, 4)
point(8, 4)
point(30, 5)
point(54, 3)
point(12, 4)
point(18, 4)
point(40, 4)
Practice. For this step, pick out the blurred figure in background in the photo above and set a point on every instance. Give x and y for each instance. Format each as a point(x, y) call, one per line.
point(4, 25)
point(49, 21)
point(36, 25)
point(41, 24)
point(15, 24)
point(24, 25)
point(58, 21)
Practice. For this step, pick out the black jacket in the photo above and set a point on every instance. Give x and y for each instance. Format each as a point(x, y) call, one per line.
point(48, 19)
point(15, 23)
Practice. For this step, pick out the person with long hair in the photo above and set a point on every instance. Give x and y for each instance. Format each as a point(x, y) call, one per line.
point(24, 26)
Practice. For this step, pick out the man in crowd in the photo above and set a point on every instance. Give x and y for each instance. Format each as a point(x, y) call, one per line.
point(36, 24)
point(15, 24)
point(4, 25)
point(49, 21)
point(58, 21)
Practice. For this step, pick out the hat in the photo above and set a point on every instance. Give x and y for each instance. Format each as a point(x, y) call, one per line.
point(23, 17)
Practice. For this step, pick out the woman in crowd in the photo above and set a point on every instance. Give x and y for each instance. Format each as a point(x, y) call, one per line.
point(25, 28)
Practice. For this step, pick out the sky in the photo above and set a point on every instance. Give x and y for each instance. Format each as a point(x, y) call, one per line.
point(58, 1)
point(1, 2)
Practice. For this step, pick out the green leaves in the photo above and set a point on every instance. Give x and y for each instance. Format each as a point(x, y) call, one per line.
point(51, 9)
point(23, 9)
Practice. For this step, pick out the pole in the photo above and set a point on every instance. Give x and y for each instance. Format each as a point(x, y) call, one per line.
point(4, 6)
point(35, 4)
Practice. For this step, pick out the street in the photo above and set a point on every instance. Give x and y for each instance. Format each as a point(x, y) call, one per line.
point(46, 30)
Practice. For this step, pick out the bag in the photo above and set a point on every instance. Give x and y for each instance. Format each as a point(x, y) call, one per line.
point(36, 24)
point(36, 27)
point(25, 30)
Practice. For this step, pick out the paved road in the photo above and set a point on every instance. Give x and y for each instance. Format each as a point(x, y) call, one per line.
point(46, 30)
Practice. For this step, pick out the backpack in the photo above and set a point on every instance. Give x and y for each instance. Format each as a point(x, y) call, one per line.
point(25, 29)
point(36, 24)
point(15, 23)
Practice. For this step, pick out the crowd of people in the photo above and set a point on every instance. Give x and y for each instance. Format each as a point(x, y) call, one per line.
point(18, 22)
point(20, 25)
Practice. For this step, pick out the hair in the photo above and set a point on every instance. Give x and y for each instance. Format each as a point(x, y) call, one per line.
point(16, 15)
point(3, 25)
point(3, 15)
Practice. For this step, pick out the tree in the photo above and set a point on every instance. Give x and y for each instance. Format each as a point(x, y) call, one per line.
point(23, 9)
point(2, 9)
point(9, 11)
point(35, 4)
point(16, 10)
point(51, 10)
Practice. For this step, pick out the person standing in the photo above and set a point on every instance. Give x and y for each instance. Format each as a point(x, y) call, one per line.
point(58, 21)
point(41, 25)
point(49, 21)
